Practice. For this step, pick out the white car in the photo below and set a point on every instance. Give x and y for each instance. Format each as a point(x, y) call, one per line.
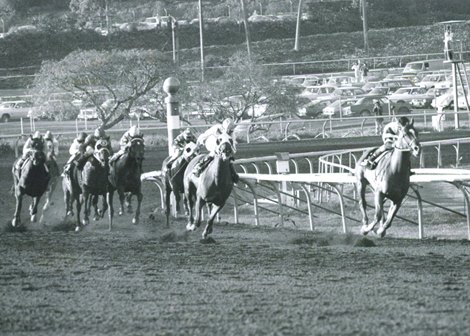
point(430, 81)
point(313, 92)
point(15, 109)
point(406, 94)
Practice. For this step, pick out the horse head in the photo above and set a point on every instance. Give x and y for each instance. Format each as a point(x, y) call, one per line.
point(137, 148)
point(408, 139)
point(38, 158)
point(190, 151)
point(37, 143)
point(224, 147)
point(102, 150)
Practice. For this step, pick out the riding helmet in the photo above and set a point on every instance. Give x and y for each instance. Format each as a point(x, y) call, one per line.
point(99, 133)
point(48, 135)
point(228, 125)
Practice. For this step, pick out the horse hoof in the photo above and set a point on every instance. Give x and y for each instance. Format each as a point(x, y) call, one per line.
point(364, 230)
point(77, 229)
point(33, 218)
point(14, 222)
point(135, 221)
point(381, 232)
point(69, 213)
point(120, 213)
point(190, 227)
point(85, 222)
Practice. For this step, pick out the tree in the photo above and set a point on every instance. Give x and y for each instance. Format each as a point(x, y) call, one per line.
point(244, 87)
point(119, 78)
point(89, 10)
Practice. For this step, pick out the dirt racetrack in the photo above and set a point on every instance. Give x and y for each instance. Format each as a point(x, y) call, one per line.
point(245, 280)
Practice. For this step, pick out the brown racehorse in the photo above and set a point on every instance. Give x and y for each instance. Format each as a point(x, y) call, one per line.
point(31, 179)
point(125, 176)
point(390, 179)
point(95, 182)
point(173, 179)
point(213, 187)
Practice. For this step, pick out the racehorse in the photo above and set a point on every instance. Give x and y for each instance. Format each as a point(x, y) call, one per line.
point(31, 179)
point(173, 179)
point(95, 182)
point(125, 176)
point(389, 180)
point(54, 172)
point(71, 185)
point(212, 187)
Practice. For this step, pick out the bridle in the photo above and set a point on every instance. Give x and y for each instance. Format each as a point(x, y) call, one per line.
point(410, 141)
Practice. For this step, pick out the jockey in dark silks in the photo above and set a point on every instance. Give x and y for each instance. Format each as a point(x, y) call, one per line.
point(34, 142)
point(125, 142)
point(179, 143)
point(389, 136)
point(227, 126)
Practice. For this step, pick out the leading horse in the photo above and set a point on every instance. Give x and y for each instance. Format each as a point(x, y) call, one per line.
point(125, 176)
point(212, 187)
point(31, 179)
point(389, 180)
point(172, 179)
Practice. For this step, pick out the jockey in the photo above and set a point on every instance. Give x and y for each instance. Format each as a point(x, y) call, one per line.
point(77, 148)
point(389, 136)
point(55, 143)
point(28, 148)
point(179, 143)
point(125, 142)
point(227, 126)
point(89, 145)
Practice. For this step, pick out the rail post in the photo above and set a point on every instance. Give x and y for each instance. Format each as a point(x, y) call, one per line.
point(171, 87)
point(282, 167)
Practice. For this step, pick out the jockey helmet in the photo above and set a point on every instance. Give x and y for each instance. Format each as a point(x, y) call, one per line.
point(48, 135)
point(81, 137)
point(133, 131)
point(187, 134)
point(403, 121)
point(228, 125)
point(99, 133)
point(36, 135)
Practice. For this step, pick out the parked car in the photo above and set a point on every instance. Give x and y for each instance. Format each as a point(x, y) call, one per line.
point(312, 81)
point(379, 91)
point(347, 81)
point(313, 92)
point(424, 101)
point(88, 112)
point(364, 106)
point(313, 109)
point(395, 84)
point(15, 110)
point(405, 94)
point(429, 81)
point(344, 93)
point(336, 108)
point(370, 85)
point(425, 65)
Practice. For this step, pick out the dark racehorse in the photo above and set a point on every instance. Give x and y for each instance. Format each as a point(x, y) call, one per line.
point(213, 187)
point(54, 172)
point(390, 179)
point(125, 176)
point(31, 179)
point(95, 182)
point(173, 179)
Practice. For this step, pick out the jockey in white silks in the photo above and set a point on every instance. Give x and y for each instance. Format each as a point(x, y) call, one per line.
point(55, 143)
point(208, 139)
point(28, 149)
point(389, 137)
point(125, 142)
point(76, 149)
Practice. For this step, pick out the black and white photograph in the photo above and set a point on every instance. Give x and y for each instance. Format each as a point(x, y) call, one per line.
point(234, 167)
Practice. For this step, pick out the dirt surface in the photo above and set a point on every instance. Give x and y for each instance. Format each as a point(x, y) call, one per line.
point(244, 280)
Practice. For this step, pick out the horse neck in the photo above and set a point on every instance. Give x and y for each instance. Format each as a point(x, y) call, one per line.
point(400, 160)
point(217, 167)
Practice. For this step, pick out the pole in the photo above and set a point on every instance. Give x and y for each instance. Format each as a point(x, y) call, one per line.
point(364, 25)
point(174, 40)
point(456, 96)
point(171, 87)
point(297, 26)
point(201, 40)
point(247, 30)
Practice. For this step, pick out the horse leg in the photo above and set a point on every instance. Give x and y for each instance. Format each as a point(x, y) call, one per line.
point(34, 209)
point(79, 199)
point(177, 202)
point(185, 205)
point(214, 211)
point(167, 205)
point(128, 203)
point(98, 212)
point(379, 210)
point(361, 186)
point(19, 202)
point(136, 218)
point(109, 201)
point(190, 198)
point(388, 222)
point(105, 205)
point(86, 211)
point(199, 209)
point(121, 200)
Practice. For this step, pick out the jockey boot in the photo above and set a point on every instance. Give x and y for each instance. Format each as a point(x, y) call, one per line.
point(369, 162)
point(201, 165)
point(19, 164)
point(169, 163)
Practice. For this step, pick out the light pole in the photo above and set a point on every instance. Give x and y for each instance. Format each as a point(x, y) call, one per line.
point(297, 27)
point(364, 25)
point(201, 40)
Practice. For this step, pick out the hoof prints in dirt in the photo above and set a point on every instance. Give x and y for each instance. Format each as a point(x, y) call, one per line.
point(322, 240)
point(172, 237)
